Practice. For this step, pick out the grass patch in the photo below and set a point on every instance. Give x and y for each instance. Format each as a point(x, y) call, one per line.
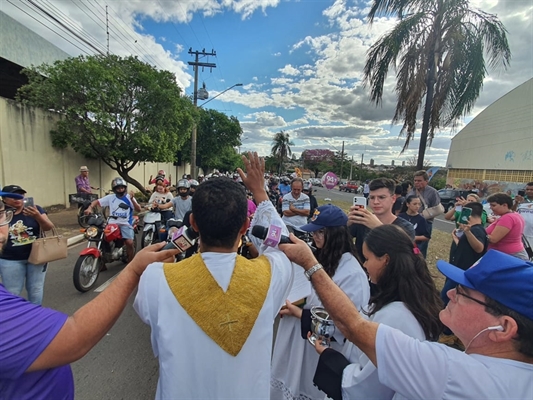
point(439, 245)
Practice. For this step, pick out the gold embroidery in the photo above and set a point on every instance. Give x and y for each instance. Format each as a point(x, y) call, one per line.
point(227, 318)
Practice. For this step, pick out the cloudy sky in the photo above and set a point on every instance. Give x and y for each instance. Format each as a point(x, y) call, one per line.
point(300, 62)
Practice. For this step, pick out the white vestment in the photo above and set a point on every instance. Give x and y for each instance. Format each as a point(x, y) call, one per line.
point(360, 378)
point(191, 364)
point(294, 360)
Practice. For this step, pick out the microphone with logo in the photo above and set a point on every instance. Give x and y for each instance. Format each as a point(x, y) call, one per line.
point(271, 236)
point(182, 239)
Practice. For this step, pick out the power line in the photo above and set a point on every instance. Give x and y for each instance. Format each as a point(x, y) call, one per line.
point(58, 34)
point(52, 9)
point(65, 27)
point(134, 39)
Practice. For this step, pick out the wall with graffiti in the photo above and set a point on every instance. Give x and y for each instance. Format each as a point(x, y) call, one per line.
point(485, 188)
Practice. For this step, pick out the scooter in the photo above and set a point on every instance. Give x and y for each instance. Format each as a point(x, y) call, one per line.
point(151, 226)
point(105, 244)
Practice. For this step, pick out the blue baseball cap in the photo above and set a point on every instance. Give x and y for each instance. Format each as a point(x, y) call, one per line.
point(504, 278)
point(325, 216)
point(12, 191)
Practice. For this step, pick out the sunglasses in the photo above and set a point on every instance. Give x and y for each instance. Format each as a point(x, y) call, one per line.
point(459, 291)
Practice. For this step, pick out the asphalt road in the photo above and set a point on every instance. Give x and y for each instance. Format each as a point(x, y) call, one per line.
point(122, 365)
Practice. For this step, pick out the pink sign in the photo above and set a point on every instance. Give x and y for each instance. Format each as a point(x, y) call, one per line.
point(329, 180)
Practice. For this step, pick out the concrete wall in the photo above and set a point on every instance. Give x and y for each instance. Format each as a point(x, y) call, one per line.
point(28, 159)
point(24, 47)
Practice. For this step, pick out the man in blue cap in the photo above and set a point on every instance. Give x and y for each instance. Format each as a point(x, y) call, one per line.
point(491, 311)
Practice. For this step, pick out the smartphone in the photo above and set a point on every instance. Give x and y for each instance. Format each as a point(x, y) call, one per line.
point(522, 193)
point(359, 201)
point(465, 215)
point(28, 202)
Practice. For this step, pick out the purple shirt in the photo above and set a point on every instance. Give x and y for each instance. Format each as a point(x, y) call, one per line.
point(26, 329)
point(82, 182)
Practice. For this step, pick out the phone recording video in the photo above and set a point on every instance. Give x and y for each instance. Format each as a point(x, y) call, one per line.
point(28, 202)
point(359, 201)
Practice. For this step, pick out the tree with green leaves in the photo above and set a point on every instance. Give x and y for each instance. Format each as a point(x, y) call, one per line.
point(119, 110)
point(217, 137)
point(281, 149)
point(438, 49)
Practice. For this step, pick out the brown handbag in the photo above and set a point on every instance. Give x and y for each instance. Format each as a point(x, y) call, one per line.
point(48, 248)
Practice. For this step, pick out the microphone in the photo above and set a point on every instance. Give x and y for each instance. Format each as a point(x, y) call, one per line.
point(272, 236)
point(183, 239)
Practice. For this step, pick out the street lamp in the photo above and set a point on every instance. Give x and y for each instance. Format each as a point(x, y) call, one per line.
point(221, 93)
point(193, 136)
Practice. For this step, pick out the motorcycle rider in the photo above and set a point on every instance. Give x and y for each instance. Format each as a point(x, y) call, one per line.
point(124, 218)
point(181, 203)
point(160, 175)
point(194, 184)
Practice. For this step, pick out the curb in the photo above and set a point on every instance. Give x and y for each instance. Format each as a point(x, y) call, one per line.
point(75, 240)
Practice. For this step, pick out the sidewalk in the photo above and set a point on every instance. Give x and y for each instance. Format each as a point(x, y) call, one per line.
point(65, 220)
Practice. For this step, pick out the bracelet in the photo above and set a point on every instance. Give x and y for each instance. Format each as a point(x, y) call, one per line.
point(309, 273)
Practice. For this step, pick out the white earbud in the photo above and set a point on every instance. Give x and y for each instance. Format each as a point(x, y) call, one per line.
point(498, 328)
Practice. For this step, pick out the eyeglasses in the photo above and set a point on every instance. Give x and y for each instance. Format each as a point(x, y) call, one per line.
point(320, 233)
point(6, 216)
point(380, 198)
point(461, 293)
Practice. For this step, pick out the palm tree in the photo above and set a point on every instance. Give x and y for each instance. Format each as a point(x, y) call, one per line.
point(281, 149)
point(437, 49)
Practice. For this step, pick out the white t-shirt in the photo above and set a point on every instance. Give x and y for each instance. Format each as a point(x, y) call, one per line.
point(428, 370)
point(360, 378)
point(302, 203)
point(526, 211)
point(124, 216)
point(160, 198)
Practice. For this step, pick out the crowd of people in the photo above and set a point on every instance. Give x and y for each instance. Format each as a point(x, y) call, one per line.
point(366, 268)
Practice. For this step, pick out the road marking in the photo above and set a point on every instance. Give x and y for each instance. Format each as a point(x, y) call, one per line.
point(447, 222)
point(105, 284)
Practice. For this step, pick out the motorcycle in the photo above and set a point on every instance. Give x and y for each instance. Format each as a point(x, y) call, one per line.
point(105, 244)
point(152, 224)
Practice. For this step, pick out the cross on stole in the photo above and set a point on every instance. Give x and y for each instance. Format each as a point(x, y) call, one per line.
point(228, 322)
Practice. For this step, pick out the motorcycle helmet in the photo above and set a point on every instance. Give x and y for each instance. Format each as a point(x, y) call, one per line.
point(307, 187)
point(116, 183)
point(184, 183)
point(193, 183)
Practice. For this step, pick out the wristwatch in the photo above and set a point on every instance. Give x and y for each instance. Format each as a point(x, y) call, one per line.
point(309, 273)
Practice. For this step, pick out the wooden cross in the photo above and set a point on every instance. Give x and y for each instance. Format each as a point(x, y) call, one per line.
point(229, 322)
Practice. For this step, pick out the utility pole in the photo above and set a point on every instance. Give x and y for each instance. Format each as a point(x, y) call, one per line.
point(361, 175)
point(351, 168)
point(342, 157)
point(197, 64)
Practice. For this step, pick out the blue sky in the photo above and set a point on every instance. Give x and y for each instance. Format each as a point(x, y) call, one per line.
point(300, 63)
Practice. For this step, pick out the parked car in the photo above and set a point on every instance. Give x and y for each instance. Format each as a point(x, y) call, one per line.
point(350, 187)
point(448, 197)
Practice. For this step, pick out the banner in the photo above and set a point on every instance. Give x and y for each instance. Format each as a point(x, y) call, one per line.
point(432, 171)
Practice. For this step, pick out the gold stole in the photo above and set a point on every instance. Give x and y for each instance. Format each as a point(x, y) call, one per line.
point(227, 318)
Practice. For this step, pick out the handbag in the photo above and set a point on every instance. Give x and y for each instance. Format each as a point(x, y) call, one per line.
point(48, 248)
point(431, 212)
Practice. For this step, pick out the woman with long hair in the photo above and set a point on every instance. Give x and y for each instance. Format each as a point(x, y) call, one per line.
point(294, 360)
point(405, 299)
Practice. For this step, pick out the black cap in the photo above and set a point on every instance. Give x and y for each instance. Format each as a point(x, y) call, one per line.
point(13, 189)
